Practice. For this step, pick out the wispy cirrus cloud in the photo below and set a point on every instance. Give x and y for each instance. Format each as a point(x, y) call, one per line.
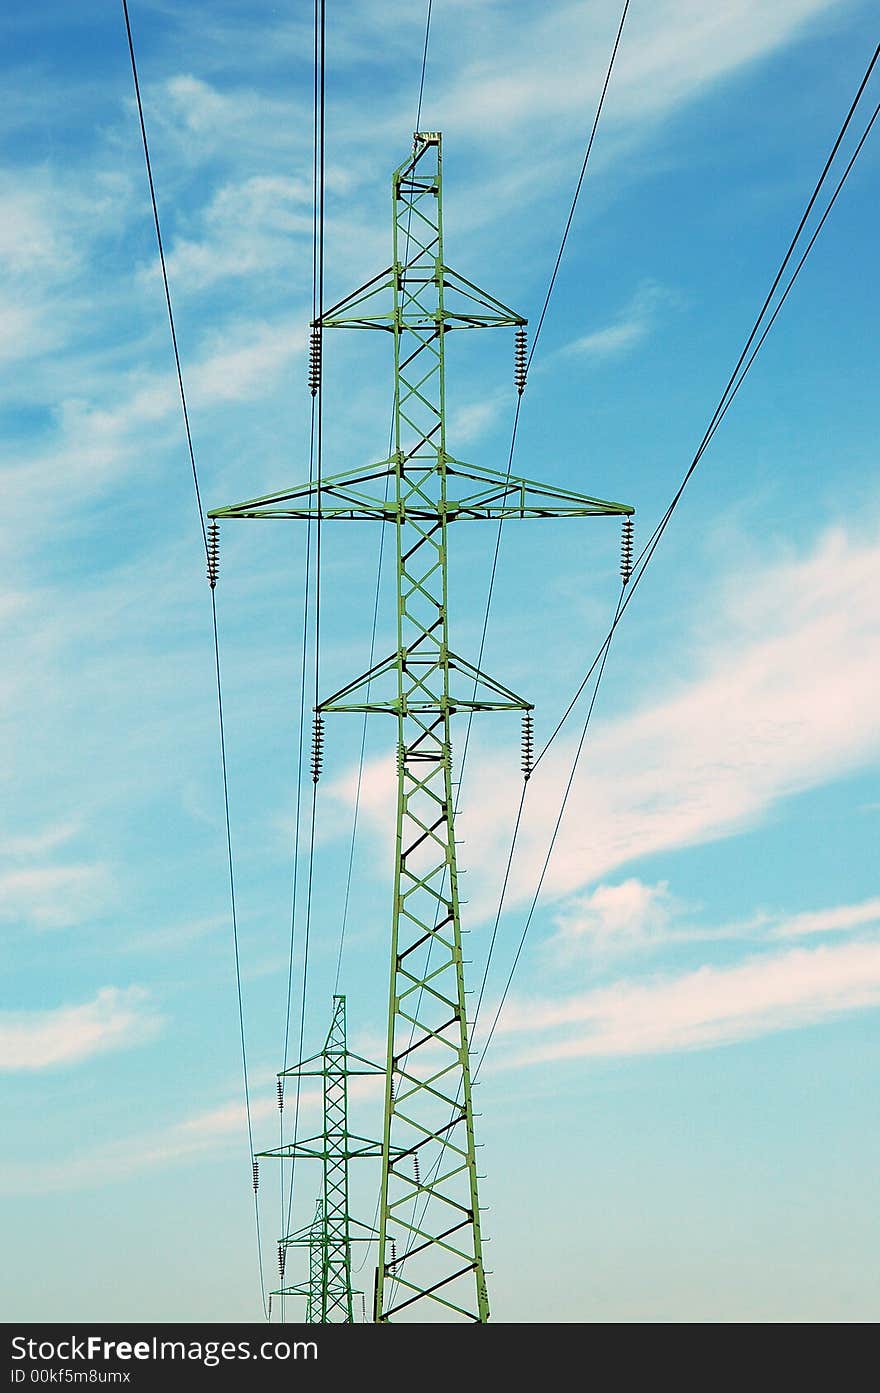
point(838, 919)
point(670, 53)
point(53, 897)
point(253, 225)
point(699, 1009)
point(121, 1157)
point(634, 916)
point(37, 890)
point(759, 721)
point(115, 1018)
point(632, 325)
point(211, 1132)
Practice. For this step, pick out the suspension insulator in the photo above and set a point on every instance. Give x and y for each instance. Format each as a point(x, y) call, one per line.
point(317, 748)
point(315, 359)
point(213, 552)
point(626, 549)
point(282, 1255)
point(392, 1090)
point(416, 1169)
point(393, 1263)
point(256, 1176)
point(519, 361)
point(280, 1086)
point(528, 743)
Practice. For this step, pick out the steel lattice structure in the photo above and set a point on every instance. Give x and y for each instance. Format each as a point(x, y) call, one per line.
point(430, 1260)
point(312, 1238)
point(330, 1235)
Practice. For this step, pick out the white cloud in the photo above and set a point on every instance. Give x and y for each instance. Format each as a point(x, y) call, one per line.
point(98, 433)
point(472, 420)
point(612, 340)
point(671, 52)
point(28, 329)
point(211, 1132)
point(256, 224)
point(37, 843)
point(616, 916)
point(840, 919)
point(52, 897)
point(699, 1009)
point(117, 1159)
point(32, 237)
point(761, 720)
point(48, 895)
point(631, 327)
point(114, 1019)
point(248, 362)
point(633, 916)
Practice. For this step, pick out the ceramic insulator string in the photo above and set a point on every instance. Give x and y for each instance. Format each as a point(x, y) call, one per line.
point(317, 748)
point(213, 552)
point(315, 359)
point(528, 743)
point(626, 550)
point(519, 361)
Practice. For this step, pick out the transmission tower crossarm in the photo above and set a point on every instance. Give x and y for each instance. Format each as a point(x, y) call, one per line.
point(501, 496)
point(496, 315)
point(338, 493)
point(315, 1148)
point(483, 693)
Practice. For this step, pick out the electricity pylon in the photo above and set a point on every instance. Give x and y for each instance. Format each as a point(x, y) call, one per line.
point(312, 1238)
point(333, 1230)
point(430, 1259)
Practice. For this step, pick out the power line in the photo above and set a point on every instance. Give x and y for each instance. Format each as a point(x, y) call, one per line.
point(315, 457)
point(424, 65)
point(247, 1099)
point(189, 442)
point(198, 497)
point(626, 594)
point(737, 376)
point(577, 192)
point(534, 904)
point(547, 297)
point(744, 362)
point(361, 758)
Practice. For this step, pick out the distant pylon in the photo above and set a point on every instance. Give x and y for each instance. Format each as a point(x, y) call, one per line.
point(311, 1237)
point(333, 1230)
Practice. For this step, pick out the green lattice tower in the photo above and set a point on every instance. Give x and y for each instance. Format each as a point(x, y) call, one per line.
point(311, 1237)
point(430, 1258)
point(335, 1147)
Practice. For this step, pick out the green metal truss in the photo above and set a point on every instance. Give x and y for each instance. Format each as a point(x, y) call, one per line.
point(430, 1259)
point(329, 1237)
point(312, 1238)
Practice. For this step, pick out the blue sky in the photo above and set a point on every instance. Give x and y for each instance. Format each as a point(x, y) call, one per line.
point(679, 1107)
